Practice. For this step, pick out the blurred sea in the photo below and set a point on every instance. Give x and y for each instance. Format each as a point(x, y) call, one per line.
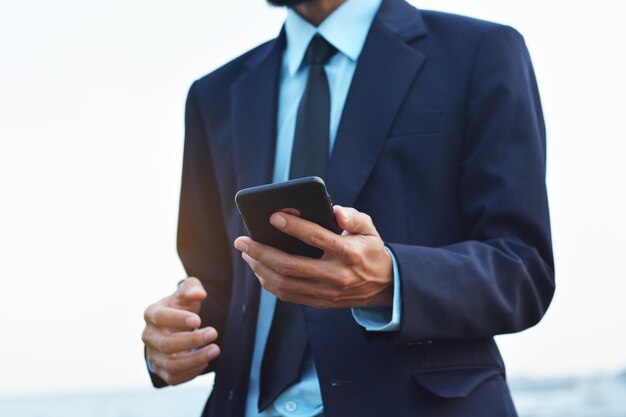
point(600, 396)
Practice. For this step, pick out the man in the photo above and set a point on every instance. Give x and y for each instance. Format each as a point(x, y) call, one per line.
point(436, 144)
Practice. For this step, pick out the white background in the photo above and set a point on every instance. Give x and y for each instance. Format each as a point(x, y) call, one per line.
point(91, 125)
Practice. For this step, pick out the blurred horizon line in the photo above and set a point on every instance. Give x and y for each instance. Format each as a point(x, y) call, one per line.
point(519, 382)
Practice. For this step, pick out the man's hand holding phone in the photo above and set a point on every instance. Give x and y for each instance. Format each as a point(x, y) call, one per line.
point(355, 271)
point(178, 350)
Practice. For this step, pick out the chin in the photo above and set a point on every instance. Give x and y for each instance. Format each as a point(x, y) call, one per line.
point(281, 3)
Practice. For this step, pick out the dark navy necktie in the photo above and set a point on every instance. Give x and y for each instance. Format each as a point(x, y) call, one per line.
point(312, 137)
point(287, 342)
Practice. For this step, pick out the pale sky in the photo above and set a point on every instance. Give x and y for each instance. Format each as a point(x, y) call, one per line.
point(91, 125)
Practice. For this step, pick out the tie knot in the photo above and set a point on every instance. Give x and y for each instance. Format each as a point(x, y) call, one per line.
point(319, 51)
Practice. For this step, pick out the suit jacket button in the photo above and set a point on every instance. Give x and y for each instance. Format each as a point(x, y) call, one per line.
point(244, 310)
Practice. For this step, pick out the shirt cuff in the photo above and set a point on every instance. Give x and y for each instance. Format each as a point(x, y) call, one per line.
point(149, 365)
point(382, 319)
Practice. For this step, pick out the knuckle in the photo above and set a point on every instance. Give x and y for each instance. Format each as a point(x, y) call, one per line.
point(344, 281)
point(289, 296)
point(156, 318)
point(287, 267)
point(169, 366)
point(341, 277)
point(165, 346)
point(350, 252)
point(317, 238)
point(149, 314)
point(281, 285)
point(145, 336)
point(280, 294)
point(270, 286)
point(335, 296)
point(174, 367)
point(352, 256)
point(352, 214)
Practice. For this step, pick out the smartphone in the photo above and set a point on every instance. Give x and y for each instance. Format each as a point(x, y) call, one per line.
point(306, 197)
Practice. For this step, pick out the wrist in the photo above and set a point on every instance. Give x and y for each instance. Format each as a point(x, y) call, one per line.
point(384, 298)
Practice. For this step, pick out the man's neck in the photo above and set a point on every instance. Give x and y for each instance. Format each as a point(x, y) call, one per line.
point(317, 10)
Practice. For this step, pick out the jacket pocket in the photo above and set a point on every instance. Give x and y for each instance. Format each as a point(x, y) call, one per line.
point(455, 383)
point(421, 122)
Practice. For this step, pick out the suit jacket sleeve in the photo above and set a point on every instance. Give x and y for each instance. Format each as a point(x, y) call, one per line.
point(202, 242)
point(500, 279)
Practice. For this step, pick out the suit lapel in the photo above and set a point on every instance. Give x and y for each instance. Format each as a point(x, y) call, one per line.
point(385, 70)
point(254, 109)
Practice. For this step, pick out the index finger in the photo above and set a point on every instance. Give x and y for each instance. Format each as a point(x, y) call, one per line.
point(310, 233)
point(171, 318)
point(189, 292)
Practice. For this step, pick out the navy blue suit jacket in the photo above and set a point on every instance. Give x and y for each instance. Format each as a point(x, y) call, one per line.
point(442, 143)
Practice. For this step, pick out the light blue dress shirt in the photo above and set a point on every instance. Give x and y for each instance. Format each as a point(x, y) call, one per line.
point(346, 29)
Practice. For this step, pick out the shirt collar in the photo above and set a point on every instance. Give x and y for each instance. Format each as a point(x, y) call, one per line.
point(346, 29)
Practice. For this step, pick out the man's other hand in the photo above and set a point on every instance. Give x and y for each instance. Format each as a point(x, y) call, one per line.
point(175, 345)
point(355, 271)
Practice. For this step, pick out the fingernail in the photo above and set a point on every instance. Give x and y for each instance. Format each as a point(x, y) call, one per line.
point(212, 351)
point(209, 336)
point(278, 221)
point(191, 321)
point(241, 244)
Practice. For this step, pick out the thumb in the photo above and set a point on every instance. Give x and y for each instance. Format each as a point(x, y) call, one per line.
point(354, 222)
point(189, 291)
